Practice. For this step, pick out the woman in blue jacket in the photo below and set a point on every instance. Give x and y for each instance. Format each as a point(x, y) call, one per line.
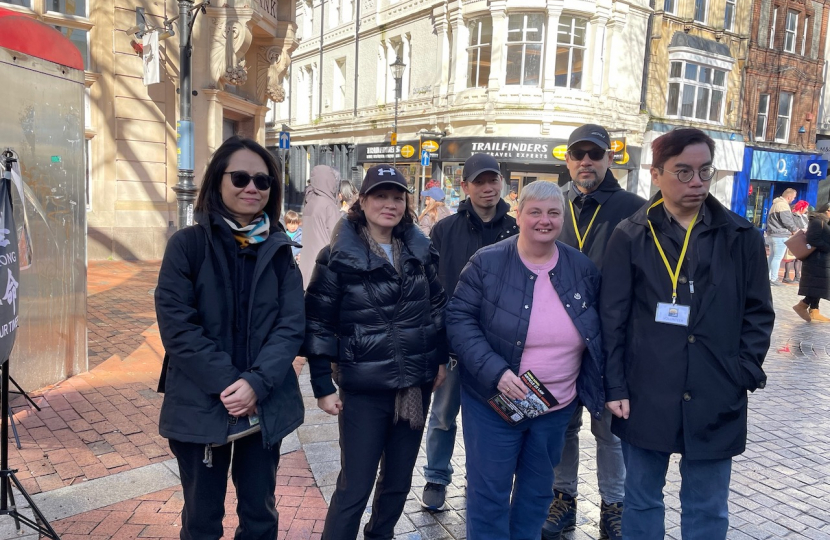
point(525, 304)
point(229, 304)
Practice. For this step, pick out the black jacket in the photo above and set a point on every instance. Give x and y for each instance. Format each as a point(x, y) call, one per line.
point(616, 205)
point(383, 330)
point(489, 315)
point(197, 333)
point(459, 236)
point(815, 271)
point(687, 385)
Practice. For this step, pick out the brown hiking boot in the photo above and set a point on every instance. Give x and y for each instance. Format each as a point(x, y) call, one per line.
point(815, 316)
point(803, 311)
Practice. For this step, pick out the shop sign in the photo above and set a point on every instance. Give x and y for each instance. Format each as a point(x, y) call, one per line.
point(430, 146)
point(781, 167)
point(504, 149)
point(267, 8)
point(386, 153)
point(816, 170)
point(407, 151)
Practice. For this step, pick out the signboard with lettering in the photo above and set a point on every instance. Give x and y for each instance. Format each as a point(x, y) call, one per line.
point(384, 153)
point(783, 167)
point(268, 8)
point(9, 273)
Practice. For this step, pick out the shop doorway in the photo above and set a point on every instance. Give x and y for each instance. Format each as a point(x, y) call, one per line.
point(758, 203)
point(519, 179)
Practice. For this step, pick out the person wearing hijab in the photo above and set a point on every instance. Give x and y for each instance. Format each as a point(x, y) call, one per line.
point(320, 214)
point(435, 209)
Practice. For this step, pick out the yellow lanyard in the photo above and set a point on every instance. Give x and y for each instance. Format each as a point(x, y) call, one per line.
point(673, 274)
point(579, 238)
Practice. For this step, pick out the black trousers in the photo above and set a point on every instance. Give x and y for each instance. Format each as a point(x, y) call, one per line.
point(254, 475)
point(368, 437)
point(812, 301)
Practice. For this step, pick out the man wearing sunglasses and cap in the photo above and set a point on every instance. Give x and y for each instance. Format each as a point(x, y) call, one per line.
point(482, 219)
point(596, 204)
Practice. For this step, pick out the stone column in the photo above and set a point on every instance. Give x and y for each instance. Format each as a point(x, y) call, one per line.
point(553, 10)
point(497, 63)
point(460, 41)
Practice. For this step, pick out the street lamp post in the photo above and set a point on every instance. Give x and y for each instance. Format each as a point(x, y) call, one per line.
point(397, 71)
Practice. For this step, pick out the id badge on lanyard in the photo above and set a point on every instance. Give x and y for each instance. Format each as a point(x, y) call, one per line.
point(672, 313)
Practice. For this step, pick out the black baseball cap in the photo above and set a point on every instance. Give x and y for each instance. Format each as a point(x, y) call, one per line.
point(590, 133)
point(477, 164)
point(382, 175)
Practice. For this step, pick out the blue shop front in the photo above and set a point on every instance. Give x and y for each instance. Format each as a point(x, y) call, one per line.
point(765, 176)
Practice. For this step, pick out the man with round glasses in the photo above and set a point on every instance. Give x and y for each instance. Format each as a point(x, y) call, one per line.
point(596, 204)
point(686, 316)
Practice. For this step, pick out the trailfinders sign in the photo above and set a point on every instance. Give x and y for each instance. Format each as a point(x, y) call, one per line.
point(516, 149)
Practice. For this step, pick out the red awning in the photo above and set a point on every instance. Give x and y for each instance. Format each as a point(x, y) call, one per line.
point(22, 33)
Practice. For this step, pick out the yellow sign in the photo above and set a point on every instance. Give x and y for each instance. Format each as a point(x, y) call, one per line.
point(393, 140)
point(618, 145)
point(407, 151)
point(622, 159)
point(560, 151)
point(431, 146)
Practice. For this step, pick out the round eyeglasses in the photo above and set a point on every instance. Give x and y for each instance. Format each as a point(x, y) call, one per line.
point(686, 175)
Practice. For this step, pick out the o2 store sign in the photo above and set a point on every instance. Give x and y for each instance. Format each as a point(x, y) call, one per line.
point(781, 167)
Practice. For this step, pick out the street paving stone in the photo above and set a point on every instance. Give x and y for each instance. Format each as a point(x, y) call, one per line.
point(104, 422)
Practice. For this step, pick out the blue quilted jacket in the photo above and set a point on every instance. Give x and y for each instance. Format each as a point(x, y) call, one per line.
point(489, 314)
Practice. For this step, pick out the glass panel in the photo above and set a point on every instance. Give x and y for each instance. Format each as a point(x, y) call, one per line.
point(24, 3)
point(68, 7)
point(705, 75)
point(533, 62)
point(562, 58)
point(781, 129)
point(789, 42)
point(579, 31)
point(472, 66)
point(674, 71)
point(763, 104)
point(674, 96)
point(691, 72)
point(514, 27)
point(720, 77)
point(79, 39)
point(792, 20)
point(535, 26)
point(716, 105)
point(728, 16)
point(576, 68)
point(563, 33)
point(702, 105)
point(760, 127)
point(784, 103)
point(688, 103)
point(473, 27)
point(484, 67)
point(513, 72)
point(486, 33)
point(700, 10)
point(668, 6)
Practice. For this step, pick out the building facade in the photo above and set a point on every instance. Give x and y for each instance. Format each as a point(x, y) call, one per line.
point(241, 51)
point(512, 78)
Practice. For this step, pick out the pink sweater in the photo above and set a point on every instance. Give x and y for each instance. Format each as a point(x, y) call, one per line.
point(553, 348)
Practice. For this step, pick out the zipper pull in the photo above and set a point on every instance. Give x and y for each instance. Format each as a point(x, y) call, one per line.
point(691, 287)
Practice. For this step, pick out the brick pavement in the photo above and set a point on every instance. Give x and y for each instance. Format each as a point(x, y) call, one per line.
point(103, 423)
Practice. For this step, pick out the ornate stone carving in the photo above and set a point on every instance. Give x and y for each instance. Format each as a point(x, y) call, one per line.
point(231, 39)
point(272, 65)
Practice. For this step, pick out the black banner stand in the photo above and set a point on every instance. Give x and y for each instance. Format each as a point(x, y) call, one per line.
point(8, 480)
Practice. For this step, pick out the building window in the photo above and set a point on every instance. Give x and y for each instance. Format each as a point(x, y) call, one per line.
point(669, 6)
point(341, 12)
point(785, 109)
point(79, 38)
point(339, 97)
point(696, 92)
point(701, 7)
point(67, 7)
point(524, 48)
point(804, 35)
point(772, 28)
point(308, 19)
point(762, 117)
point(570, 51)
point(478, 53)
point(729, 15)
point(790, 30)
point(24, 3)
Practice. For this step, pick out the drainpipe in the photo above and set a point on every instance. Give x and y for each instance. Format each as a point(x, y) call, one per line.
point(644, 86)
point(356, 50)
point(320, 69)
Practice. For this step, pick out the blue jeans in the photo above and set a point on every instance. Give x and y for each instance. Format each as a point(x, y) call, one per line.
point(777, 250)
point(704, 492)
point(610, 465)
point(446, 401)
point(496, 454)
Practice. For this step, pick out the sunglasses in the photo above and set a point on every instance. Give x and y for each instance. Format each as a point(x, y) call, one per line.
point(241, 179)
point(595, 154)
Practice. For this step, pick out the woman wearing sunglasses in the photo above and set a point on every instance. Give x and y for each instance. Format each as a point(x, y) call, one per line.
point(376, 314)
point(229, 304)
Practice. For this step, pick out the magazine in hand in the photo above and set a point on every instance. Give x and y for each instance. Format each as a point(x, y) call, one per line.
point(538, 401)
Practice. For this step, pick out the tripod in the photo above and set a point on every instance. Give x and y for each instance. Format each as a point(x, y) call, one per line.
point(7, 477)
point(19, 392)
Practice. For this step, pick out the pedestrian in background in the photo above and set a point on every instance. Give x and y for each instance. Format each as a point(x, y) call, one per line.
point(348, 195)
point(595, 206)
point(780, 226)
point(528, 303)
point(434, 210)
point(294, 229)
point(481, 221)
point(229, 304)
point(321, 212)
point(376, 315)
point(513, 200)
point(686, 322)
point(790, 262)
point(815, 274)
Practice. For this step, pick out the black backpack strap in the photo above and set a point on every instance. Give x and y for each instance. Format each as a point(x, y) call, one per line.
point(195, 257)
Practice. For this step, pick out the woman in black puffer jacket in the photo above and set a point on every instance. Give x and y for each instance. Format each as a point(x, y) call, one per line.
point(229, 304)
point(375, 312)
point(815, 271)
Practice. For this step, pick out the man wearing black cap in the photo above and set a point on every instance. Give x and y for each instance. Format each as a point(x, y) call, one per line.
point(481, 220)
point(596, 204)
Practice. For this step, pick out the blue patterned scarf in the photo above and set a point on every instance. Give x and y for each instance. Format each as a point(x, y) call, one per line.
point(254, 232)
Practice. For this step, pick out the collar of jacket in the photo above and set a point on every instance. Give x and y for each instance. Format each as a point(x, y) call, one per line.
point(350, 254)
point(605, 189)
point(721, 217)
point(466, 208)
point(277, 231)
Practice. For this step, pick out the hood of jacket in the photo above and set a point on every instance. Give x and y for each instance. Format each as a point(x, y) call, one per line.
point(325, 183)
point(466, 207)
point(350, 254)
